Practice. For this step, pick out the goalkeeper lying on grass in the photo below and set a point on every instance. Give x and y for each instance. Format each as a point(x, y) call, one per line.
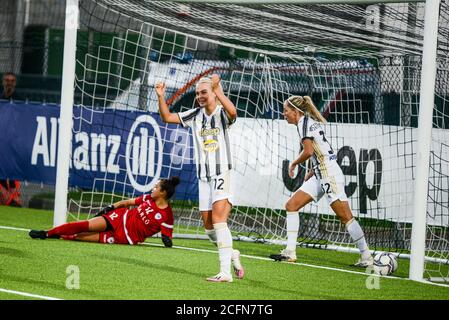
point(118, 224)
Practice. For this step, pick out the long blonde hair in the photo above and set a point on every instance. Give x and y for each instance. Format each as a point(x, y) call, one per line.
point(306, 106)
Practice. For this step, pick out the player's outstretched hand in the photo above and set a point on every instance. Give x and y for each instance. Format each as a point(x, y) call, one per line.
point(105, 210)
point(167, 241)
point(215, 78)
point(291, 169)
point(160, 88)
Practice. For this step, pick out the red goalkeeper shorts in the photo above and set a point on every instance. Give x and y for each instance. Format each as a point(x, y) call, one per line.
point(116, 221)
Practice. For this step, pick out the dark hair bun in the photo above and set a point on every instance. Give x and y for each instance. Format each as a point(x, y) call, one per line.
point(174, 181)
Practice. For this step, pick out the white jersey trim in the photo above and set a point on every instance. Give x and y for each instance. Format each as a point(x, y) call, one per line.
point(126, 230)
point(169, 226)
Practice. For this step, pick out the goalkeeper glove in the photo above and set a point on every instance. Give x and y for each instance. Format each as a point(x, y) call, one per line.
point(167, 241)
point(105, 210)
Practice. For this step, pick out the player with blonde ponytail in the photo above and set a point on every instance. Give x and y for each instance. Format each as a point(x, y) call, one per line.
point(306, 106)
point(325, 178)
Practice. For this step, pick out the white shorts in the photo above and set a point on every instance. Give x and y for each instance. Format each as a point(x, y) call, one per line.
point(333, 187)
point(218, 188)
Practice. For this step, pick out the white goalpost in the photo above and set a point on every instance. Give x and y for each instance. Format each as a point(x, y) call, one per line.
point(388, 116)
point(65, 127)
point(427, 93)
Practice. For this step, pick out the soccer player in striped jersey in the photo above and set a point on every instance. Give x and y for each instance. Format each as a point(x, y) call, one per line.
point(210, 123)
point(325, 178)
point(116, 223)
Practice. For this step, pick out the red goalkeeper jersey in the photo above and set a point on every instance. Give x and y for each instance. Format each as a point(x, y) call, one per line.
point(146, 219)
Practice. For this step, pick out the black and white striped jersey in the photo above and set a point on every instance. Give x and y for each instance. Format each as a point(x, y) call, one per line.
point(211, 140)
point(324, 159)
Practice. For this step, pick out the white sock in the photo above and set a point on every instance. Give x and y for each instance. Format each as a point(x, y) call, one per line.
point(212, 236)
point(236, 262)
point(356, 233)
point(292, 230)
point(224, 244)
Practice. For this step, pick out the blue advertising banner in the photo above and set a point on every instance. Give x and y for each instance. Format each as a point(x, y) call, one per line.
point(113, 151)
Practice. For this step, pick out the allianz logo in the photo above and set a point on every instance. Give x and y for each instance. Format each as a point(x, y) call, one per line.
point(103, 152)
point(141, 152)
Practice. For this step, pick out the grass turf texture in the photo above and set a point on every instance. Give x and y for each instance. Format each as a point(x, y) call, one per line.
point(154, 272)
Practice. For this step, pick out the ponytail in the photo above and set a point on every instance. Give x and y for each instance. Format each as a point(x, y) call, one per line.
point(305, 105)
point(313, 111)
point(174, 181)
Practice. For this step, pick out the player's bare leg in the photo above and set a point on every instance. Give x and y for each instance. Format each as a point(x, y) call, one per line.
point(299, 200)
point(208, 226)
point(97, 224)
point(207, 219)
point(343, 211)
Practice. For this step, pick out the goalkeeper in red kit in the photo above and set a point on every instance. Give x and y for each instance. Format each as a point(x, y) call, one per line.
point(118, 223)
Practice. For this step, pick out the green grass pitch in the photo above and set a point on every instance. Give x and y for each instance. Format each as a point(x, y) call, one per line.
point(150, 271)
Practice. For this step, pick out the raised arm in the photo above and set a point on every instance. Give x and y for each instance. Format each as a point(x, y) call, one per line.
point(165, 113)
point(227, 104)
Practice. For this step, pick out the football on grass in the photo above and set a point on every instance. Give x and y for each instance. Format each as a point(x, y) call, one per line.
point(385, 263)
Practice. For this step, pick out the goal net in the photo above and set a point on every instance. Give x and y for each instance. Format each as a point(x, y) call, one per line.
point(361, 64)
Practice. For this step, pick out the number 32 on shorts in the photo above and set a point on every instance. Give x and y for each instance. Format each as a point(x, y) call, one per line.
point(326, 188)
